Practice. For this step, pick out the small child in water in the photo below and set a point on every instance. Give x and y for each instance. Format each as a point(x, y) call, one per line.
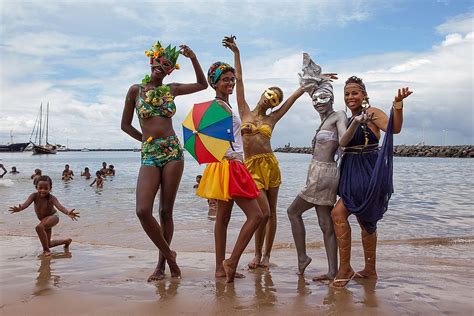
point(14, 171)
point(67, 173)
point(45, 207)
point(198, 180)
point(86, 173)
point(99, 181)
point(36, 175)
point(111, 170)
point(104, 169)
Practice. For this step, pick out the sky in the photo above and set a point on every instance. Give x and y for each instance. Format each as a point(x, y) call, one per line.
point(82, 56)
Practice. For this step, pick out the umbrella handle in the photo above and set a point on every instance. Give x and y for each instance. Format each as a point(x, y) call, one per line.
point(230, 141)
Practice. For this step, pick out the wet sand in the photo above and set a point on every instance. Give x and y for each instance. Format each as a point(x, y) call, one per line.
point(428, 279)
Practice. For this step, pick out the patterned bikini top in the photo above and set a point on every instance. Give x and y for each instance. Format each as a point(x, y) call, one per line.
point(263, 129)
point(166, 107)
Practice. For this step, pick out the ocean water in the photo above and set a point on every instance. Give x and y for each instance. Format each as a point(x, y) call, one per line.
point(432, 203)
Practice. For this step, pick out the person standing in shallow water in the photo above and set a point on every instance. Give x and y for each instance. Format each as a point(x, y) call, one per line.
point(365, 186)
point(323, 175)
point(228, 181)
point(162, 159)
point(257, 129)
point(104, 168)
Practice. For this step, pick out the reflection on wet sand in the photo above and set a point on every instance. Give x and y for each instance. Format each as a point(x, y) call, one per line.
point(265, 292)
point(45, 275)
point(346, 300)
point(368, 285)
point(303, 288)
point(112, 280)
point(167, 289)
point(225, 291)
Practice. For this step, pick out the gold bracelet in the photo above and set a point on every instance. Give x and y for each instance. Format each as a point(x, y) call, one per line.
point(398, 105)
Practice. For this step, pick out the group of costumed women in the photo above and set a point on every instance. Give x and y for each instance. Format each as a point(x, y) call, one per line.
point(249, 173)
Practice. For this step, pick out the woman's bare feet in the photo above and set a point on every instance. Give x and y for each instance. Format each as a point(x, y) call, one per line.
point(229, 271)
point(366, 274)
point(222, 275)
point(158, 274)
point(255, 263)
point(302, 265)
point(323, 277)
point(68, 242)
point(45, 253)
point(174, 269)
point(265, 263)
point(343, 277)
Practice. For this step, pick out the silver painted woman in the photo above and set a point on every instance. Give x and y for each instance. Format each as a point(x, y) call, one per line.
point(323, 175)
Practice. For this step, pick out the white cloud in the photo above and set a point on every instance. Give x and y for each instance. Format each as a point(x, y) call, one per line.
point(463, 23)
point(85, 77)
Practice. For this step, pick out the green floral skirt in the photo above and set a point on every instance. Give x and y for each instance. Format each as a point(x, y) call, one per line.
point(159, 151)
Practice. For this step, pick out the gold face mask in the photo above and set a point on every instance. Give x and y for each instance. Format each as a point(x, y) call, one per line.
point(272, 96)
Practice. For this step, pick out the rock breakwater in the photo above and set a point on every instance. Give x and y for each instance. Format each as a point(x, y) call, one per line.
point(459, 151)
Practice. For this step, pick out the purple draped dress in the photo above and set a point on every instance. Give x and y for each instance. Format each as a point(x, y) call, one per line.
point(366, 181)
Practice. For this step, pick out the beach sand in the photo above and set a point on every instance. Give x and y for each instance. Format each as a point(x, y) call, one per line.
point(101, 280)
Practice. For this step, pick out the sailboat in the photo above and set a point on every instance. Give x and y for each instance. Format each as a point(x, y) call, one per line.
point(13, 147)
point(40, 130)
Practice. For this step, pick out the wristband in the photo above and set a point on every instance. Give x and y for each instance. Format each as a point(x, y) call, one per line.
point(398, 105)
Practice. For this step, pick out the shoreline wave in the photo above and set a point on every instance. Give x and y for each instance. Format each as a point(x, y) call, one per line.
point(425, 241)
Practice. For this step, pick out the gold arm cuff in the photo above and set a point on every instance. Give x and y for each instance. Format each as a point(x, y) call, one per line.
point(398, 105)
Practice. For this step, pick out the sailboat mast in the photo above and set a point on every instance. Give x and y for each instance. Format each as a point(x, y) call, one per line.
point(47, 121)
point(41, 120)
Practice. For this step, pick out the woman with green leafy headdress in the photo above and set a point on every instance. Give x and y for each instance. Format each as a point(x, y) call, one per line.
point(161, 155)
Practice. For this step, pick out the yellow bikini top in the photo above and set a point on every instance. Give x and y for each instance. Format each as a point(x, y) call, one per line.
point(263, 129)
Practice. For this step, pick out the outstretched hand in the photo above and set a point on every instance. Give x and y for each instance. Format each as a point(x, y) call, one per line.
point(186, 51)
point(330, 76)
point(364, 117)
point(15, 209)
point(229, 42)
point(402, 94)
point(73, 215)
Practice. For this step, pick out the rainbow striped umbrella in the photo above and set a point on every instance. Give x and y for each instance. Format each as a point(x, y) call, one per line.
point(207, 132)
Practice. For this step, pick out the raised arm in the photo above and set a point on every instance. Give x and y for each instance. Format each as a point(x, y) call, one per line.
point(21, 207)
point(201, 82)
point(278, 114)
point(380, 119)
point(4, 170)
point(244, 109)
point(73, 215)
point(398, 109)
point(127, 114)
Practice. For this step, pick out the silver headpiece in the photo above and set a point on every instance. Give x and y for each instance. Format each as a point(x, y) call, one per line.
point(311, 80)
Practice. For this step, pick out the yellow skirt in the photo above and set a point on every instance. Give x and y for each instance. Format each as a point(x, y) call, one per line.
point(225, 180)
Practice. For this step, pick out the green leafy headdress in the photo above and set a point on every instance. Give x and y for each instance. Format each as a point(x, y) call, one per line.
point(157, 53)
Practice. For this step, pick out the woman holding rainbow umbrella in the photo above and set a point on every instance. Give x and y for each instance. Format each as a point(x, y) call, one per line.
point(225, 178)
